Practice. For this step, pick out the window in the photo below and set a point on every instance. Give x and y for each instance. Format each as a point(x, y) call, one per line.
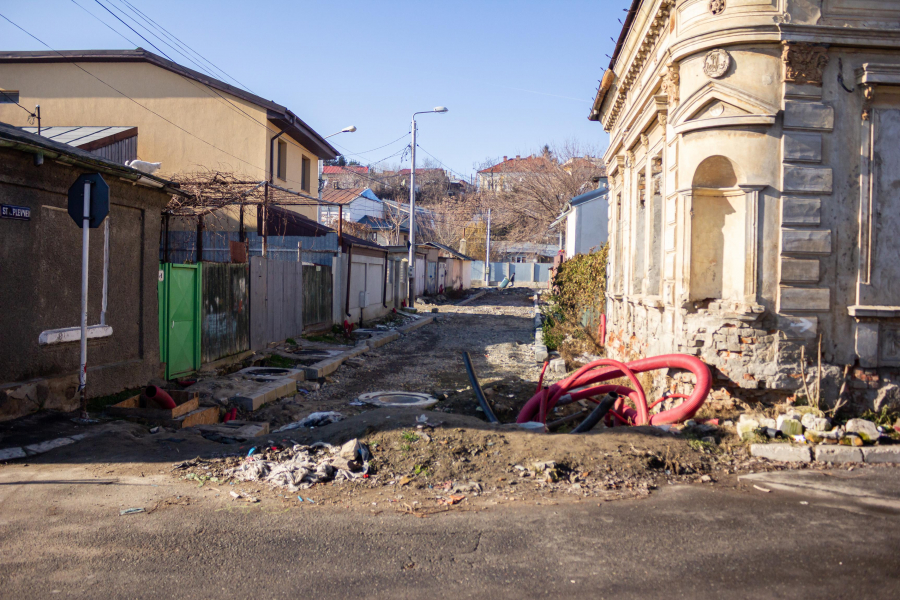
point(306, 175)
point(9, 97)
point(282, 160)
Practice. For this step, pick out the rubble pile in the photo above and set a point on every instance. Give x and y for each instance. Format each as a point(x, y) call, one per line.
point(809, 428)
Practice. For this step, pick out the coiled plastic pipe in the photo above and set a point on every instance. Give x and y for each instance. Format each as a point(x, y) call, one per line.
point(540, 405)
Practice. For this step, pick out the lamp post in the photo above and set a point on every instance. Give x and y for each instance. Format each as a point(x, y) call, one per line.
point(350, 129)
point(412, 208)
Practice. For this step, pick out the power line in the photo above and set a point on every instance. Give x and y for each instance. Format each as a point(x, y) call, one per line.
point(184, 45)
point(464, 177)
point(374, 149)
point(132, 29)
point(204, 87)
point(10, 98)
point(123, 94)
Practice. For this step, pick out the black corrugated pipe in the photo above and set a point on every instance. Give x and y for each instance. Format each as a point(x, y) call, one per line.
point(488, 411)
point(597, 415)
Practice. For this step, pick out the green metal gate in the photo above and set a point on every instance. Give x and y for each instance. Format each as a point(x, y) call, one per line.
point(179, 292)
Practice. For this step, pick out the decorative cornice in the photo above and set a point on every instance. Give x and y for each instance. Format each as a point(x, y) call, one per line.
point(671, 83)
point(804, 62)
point(643, 53)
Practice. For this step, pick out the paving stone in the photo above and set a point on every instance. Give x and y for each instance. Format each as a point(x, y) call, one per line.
point(781, 452)
point(558, 365)
point(839, 454)
point(48, 445)
point(11, 453)
point(882, 454)
point(540, 353)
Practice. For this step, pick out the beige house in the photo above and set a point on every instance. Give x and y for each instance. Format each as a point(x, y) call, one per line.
point(186, 120)
point(752, 166)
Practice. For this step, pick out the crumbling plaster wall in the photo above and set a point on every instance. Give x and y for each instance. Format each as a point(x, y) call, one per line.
point(41, 288)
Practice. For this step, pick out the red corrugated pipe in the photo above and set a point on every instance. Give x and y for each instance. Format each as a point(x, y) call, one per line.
point(540, 405)
point(159, 397)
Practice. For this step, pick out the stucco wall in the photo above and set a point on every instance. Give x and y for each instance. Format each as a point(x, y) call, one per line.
point(194, 128)
point(41, 288)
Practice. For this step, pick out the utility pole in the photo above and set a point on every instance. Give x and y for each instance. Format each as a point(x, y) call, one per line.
point(487, 252)
point(412, 208)
point(412, 222)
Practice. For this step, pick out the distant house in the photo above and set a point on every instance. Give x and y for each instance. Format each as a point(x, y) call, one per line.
point(583, 222)
point(523, 252)
point(386, 231)
point(344, 177)
point(357, 203)
point(505, 174)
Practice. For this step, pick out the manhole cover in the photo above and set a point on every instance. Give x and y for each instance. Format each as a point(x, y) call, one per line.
point(398, 399)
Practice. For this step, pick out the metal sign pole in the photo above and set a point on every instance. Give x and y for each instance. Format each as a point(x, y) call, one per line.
point(85, 243)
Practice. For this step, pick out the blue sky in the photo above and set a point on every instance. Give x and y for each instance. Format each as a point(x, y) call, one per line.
point(514, 74)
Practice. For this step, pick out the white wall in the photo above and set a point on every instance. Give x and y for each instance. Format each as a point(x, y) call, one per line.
point(586, 226)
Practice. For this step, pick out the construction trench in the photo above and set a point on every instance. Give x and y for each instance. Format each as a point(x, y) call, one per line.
point(430, 446)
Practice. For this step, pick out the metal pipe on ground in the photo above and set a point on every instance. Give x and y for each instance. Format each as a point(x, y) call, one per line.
point(488, 411)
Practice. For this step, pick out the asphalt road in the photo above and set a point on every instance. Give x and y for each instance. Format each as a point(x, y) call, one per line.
point(62, 535)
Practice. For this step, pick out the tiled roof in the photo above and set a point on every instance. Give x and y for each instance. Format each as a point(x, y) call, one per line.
point(529, 164)
point(342, 196)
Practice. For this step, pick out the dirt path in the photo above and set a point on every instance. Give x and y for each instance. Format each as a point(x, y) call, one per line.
point(496, 330)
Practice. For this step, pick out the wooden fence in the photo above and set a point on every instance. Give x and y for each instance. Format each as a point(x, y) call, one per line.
point(276, 301)
point(225, 311)
point(317, 296)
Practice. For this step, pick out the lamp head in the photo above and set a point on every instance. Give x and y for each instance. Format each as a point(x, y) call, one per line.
point(350, 129)
point(440, 109)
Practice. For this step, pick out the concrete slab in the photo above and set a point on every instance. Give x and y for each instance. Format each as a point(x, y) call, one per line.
point(881, 454)
point(839, 454)
point(266, 392)
point(781, 452)
point(239, 430)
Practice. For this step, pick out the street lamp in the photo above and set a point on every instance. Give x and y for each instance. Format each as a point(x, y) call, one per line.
point(350, 129)
point(412, 207)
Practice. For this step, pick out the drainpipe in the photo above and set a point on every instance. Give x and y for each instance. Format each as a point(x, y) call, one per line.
point(349, 268)
point(272, 155)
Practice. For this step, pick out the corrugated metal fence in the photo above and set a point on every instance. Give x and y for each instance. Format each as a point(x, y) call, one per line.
point(525, 272)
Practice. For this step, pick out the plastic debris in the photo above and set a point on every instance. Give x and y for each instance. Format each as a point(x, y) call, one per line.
point(301, 467)
point(130, 511)
point(252, 450)
point(316, 419)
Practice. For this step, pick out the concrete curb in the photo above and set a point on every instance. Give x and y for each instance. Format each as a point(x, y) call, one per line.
point(382, 339)
point(822, 453)
point(470, 299)
point(415, 324)
point(40, 448)
point(541, 353)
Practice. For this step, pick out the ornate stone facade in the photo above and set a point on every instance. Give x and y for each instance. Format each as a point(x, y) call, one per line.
point(751, 191)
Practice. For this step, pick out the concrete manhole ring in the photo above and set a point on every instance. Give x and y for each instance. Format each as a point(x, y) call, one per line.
point(398, 399)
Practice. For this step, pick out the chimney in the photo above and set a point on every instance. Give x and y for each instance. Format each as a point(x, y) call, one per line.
point(504, 159)
point(518, 157)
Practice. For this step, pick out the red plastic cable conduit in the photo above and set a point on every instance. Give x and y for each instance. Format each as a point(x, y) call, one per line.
point(159, 397)
point(543, 402)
